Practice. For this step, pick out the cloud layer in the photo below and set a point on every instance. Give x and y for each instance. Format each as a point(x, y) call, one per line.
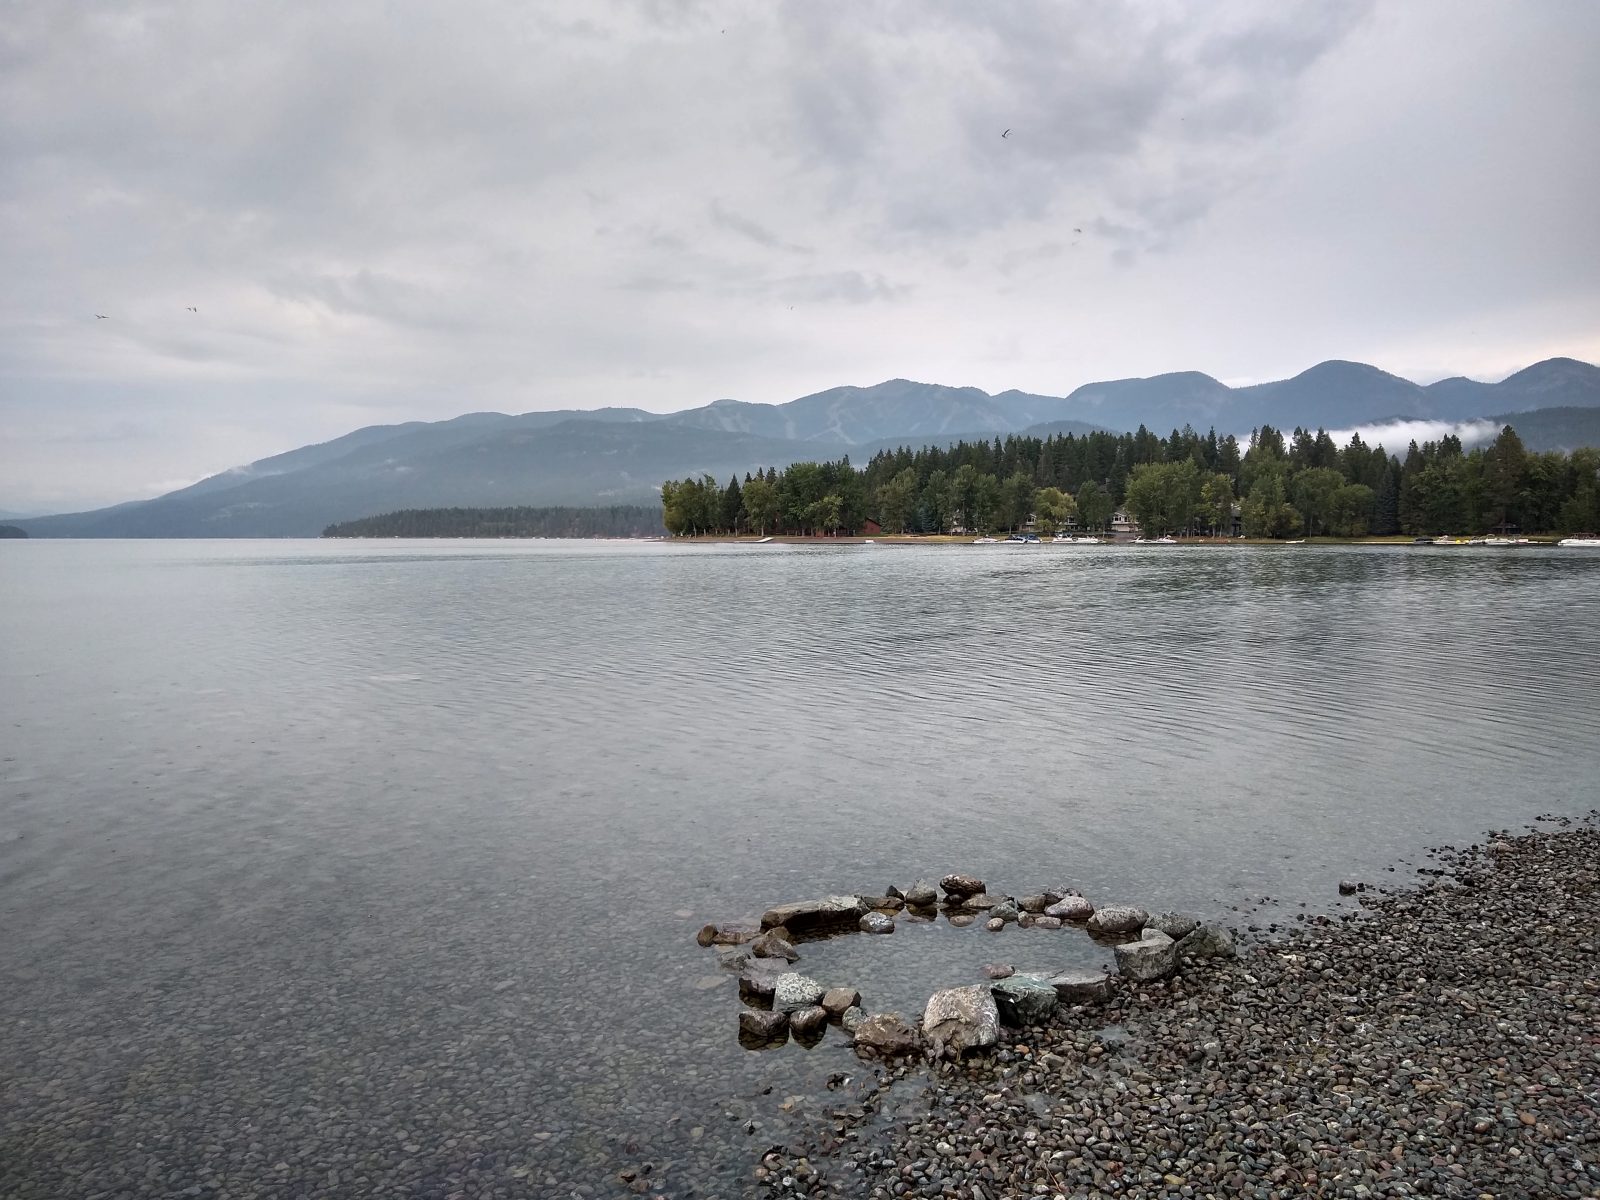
point(384, 212)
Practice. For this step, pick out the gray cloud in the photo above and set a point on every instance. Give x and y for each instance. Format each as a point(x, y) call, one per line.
point(392, 213)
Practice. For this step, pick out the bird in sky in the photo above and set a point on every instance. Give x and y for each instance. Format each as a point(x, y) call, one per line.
point(1006, 134)
point(99, 316)
point(192, 308)
point(1077, 231)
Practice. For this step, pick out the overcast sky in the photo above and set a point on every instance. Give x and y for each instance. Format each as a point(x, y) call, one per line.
point(387, 211)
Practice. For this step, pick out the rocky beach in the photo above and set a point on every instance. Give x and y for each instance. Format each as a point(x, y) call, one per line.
point(1442, 1041)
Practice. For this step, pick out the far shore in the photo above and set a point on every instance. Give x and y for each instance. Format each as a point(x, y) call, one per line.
point(932, 539)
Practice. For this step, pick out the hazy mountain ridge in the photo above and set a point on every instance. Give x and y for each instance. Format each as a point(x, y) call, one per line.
point(621, 455)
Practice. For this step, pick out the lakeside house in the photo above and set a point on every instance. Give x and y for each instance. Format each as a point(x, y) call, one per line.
point(1122, 522)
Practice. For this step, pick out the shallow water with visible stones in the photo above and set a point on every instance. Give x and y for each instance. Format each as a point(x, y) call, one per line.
point(334, 869)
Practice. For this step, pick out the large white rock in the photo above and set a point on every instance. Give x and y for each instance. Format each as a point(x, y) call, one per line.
point(963, 1018)
point(794, 991)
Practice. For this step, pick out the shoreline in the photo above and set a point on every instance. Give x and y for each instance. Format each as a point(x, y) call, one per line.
point(940, 539)
point(1444, 1041)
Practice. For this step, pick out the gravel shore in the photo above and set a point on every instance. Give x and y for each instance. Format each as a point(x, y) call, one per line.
point(1445, 1041)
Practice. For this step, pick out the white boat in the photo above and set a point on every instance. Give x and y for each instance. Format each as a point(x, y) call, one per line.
point(1449, 541)
point(985, 541)
point(1166, 541)
point(1086, 540)
point(1295, 542)
point(1591, 542)
point(763, 541)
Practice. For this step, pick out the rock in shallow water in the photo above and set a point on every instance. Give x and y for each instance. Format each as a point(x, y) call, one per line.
point(922, 895)
point(964, 1018)
point(1152, 957)
point(839, 1000)
point(804, 916)
point(808, 1020)
point(757, 1023)
point(1024, 999)
point(1045, 923)
point(1118, 918)
point(852, 1017)
point(1070, 908)
point(770, 945)
point(876, 922)
point(794, 991)
point(959, 887)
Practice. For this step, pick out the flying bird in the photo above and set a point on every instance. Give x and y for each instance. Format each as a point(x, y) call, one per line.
point(192, 309)
point(1006, 134)
point(99, 316)
point(1077, 231)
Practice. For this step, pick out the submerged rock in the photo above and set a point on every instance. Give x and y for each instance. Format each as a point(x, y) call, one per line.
point(921, 895)
point(1024, 999)
point(1070, 908)
point(726, 935)
point(1208, 941)
point(876, 922)
point(994, 924)
point(998, 970)
point(1035, 904)
point(885, 1034)
point(1006, 910)
point(770, 945)
point(763, 1025)
point(962, 920)
point(976, 903)
point(807, 915)
point(959, 887)
point(808, 1020)
point(1151, 957)
point(793, 991)
point(1046, 923)
point(760, 976)
point(1118, 918)
point(964, 1018)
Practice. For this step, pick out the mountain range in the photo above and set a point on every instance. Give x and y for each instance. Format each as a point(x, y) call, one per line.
point(621, 455)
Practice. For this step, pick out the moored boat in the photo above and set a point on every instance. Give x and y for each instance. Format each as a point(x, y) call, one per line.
point(1590, 542)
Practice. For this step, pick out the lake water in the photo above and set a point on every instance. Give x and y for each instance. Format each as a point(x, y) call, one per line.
point(338, 869)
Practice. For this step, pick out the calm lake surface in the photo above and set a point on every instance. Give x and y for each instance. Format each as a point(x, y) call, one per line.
point(338, 869)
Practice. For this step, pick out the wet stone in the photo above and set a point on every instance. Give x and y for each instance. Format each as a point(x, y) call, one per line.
point(1024, 999)
point(1118, 918)
point(958, 887)
point(876, 922)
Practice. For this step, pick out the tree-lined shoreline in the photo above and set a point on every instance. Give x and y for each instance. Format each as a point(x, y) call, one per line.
point(1303, 485)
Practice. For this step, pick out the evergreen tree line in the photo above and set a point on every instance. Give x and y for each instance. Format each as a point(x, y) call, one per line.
point(621, 520)
point(1276, 486)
